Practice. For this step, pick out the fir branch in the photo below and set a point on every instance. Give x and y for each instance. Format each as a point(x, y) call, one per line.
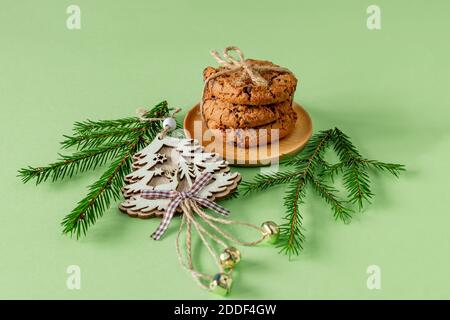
point(354, 167)
point(108, 187)
point(101, 193)
point(94, 139)
point(343, 147)
point(356, 178)
point(93, 133)
point(393, 168)
point(330, 171)
point(291, 237)
point(313, 151)
point(357, 183)
point(89, 126)
point(328, 193)
point(263, 181)
point(104, 146)
point(310, 167)
point(116, 140)
point(69, 165)
point(86, 127)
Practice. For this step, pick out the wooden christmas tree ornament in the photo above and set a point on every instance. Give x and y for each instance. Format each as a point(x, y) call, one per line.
point(176, 175)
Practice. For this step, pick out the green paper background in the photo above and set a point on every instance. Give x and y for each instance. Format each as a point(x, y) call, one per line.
point(388, 89)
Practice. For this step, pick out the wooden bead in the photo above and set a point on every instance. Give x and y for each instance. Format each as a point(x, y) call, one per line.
point(170, 122)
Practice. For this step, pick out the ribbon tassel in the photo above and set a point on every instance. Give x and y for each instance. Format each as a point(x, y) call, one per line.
point(178, 197)
point(190, 203)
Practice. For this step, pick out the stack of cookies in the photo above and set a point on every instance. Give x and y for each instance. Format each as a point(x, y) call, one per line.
point(245, 113)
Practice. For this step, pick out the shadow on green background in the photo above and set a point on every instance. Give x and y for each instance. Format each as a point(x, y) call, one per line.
point(387, 89)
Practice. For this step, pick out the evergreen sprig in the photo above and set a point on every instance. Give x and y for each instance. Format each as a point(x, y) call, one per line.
point(309, 168)
point(97, 143)
point(89, 126)
point(101, 193)
point(291, 231)
point(264, 181)
point(70, 165)
point(329, 193)
point(93, 139)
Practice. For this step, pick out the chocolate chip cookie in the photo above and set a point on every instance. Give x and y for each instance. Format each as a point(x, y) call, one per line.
point(222, 115)
point(249, 137)
point(237, 87)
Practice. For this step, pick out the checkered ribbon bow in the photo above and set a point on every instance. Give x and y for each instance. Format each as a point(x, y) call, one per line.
point(177, 197)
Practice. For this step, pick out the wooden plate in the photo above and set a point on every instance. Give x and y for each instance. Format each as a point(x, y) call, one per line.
point(195, 128)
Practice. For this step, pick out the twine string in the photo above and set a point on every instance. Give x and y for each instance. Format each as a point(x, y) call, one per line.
point(142, 112)
point(188, 207)
point(231, 64)
point(198, 276)
point(188, 243)
point(209, 220)
point(190, 203)
point(201, 234)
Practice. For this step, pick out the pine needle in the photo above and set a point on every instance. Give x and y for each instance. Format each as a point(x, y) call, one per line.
point(101, 193)
point(263, 181)
point(310, 168)
point(89, 126)
point(70, 165)
point(99, 142)
point(328, 193)
point(291, 232)
point(94, 139)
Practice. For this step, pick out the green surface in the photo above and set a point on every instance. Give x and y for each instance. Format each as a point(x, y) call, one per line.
point(387, 89)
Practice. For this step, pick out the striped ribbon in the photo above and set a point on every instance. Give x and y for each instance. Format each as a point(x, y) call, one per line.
point(177, 197)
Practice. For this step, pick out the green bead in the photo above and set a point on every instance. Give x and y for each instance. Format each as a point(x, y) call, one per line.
point(271, 231)
point(229, 257)
point(221, 284)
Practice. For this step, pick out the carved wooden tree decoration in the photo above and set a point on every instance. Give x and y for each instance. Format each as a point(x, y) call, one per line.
point(173, 164)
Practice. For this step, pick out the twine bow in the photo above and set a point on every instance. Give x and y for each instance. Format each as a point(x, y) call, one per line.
point(178, 197)
point(231, 64)
point(191, 204)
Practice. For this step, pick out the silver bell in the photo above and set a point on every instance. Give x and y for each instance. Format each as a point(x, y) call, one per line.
point(270, 231)
point(229, 257)
point(221, 284)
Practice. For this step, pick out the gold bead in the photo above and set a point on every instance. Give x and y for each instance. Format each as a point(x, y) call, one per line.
point(270, 231)
point(221, 284)
point(229, 257)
